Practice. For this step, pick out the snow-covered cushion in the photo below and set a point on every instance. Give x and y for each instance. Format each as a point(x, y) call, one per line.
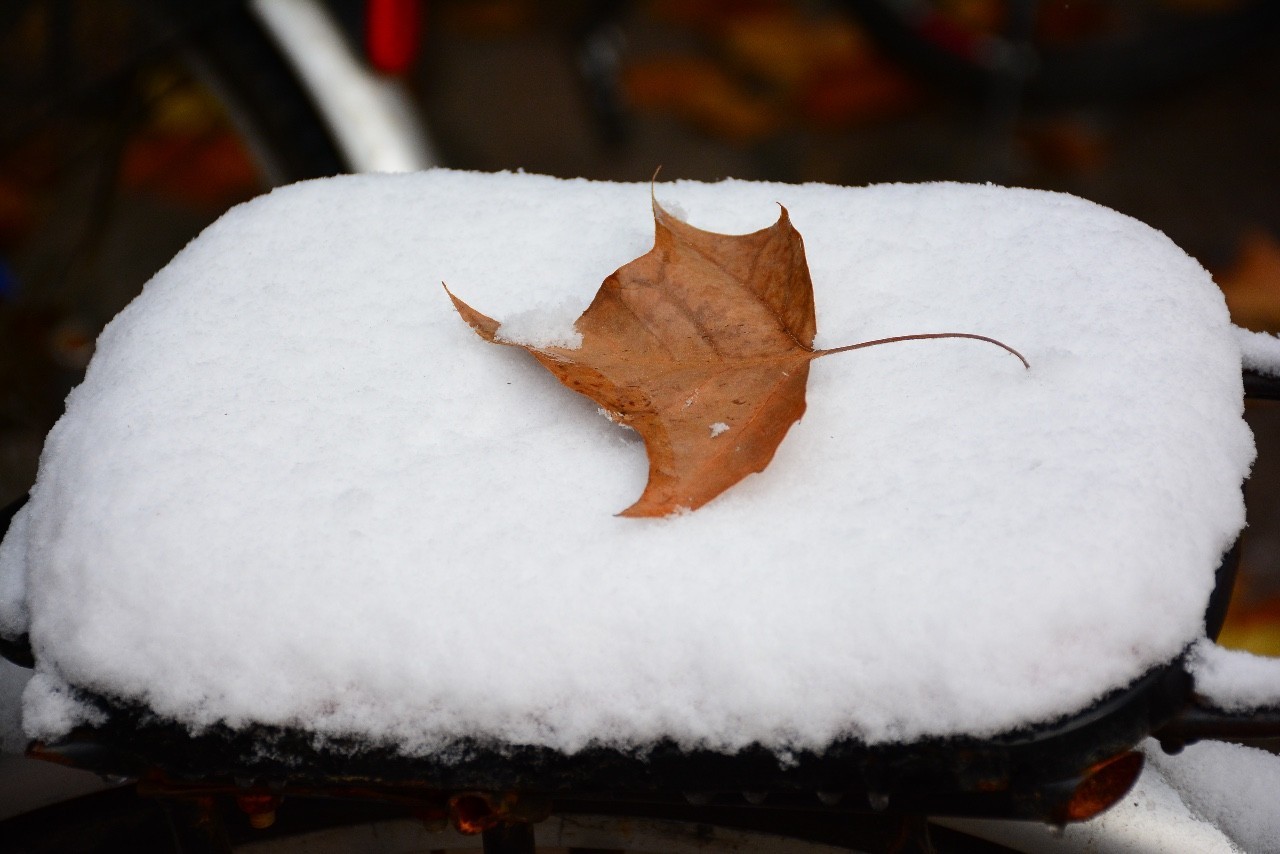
point(295, 489)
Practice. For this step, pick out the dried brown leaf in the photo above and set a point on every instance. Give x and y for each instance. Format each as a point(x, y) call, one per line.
point(702, 345)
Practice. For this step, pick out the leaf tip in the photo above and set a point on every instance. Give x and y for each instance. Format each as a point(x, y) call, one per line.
point(643, 509)
point(486, 327)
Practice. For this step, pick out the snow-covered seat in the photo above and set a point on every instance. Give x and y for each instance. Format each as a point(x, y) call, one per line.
point(296, 497)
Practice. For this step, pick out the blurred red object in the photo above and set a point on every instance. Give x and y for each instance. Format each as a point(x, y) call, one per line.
point(393, 34)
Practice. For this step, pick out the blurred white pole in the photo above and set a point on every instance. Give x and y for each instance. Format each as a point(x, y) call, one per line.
point(373, 119)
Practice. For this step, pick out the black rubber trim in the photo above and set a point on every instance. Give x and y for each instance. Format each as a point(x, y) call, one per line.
point(1025, 774)
point(1260, 386)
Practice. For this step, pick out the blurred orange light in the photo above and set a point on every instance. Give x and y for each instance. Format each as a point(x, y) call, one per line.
point(1103, 785)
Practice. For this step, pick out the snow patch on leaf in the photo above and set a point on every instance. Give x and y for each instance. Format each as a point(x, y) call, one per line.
point(543, 326)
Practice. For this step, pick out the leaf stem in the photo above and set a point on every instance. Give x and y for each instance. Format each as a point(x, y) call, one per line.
point(819, 353)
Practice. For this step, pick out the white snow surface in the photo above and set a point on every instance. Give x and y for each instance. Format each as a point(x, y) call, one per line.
point(1233, 787)
point(295, 488)
point(14, 618)
point(13, 681)
point(1156, 816)
point(1260, 351)
point(1233, 679)
point(543, 326)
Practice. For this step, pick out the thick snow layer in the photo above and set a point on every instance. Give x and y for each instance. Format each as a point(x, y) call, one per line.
point(1260, 351)
point(295, 488)
point(1233, 679)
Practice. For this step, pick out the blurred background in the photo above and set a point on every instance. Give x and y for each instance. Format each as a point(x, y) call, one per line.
point(126, 126)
